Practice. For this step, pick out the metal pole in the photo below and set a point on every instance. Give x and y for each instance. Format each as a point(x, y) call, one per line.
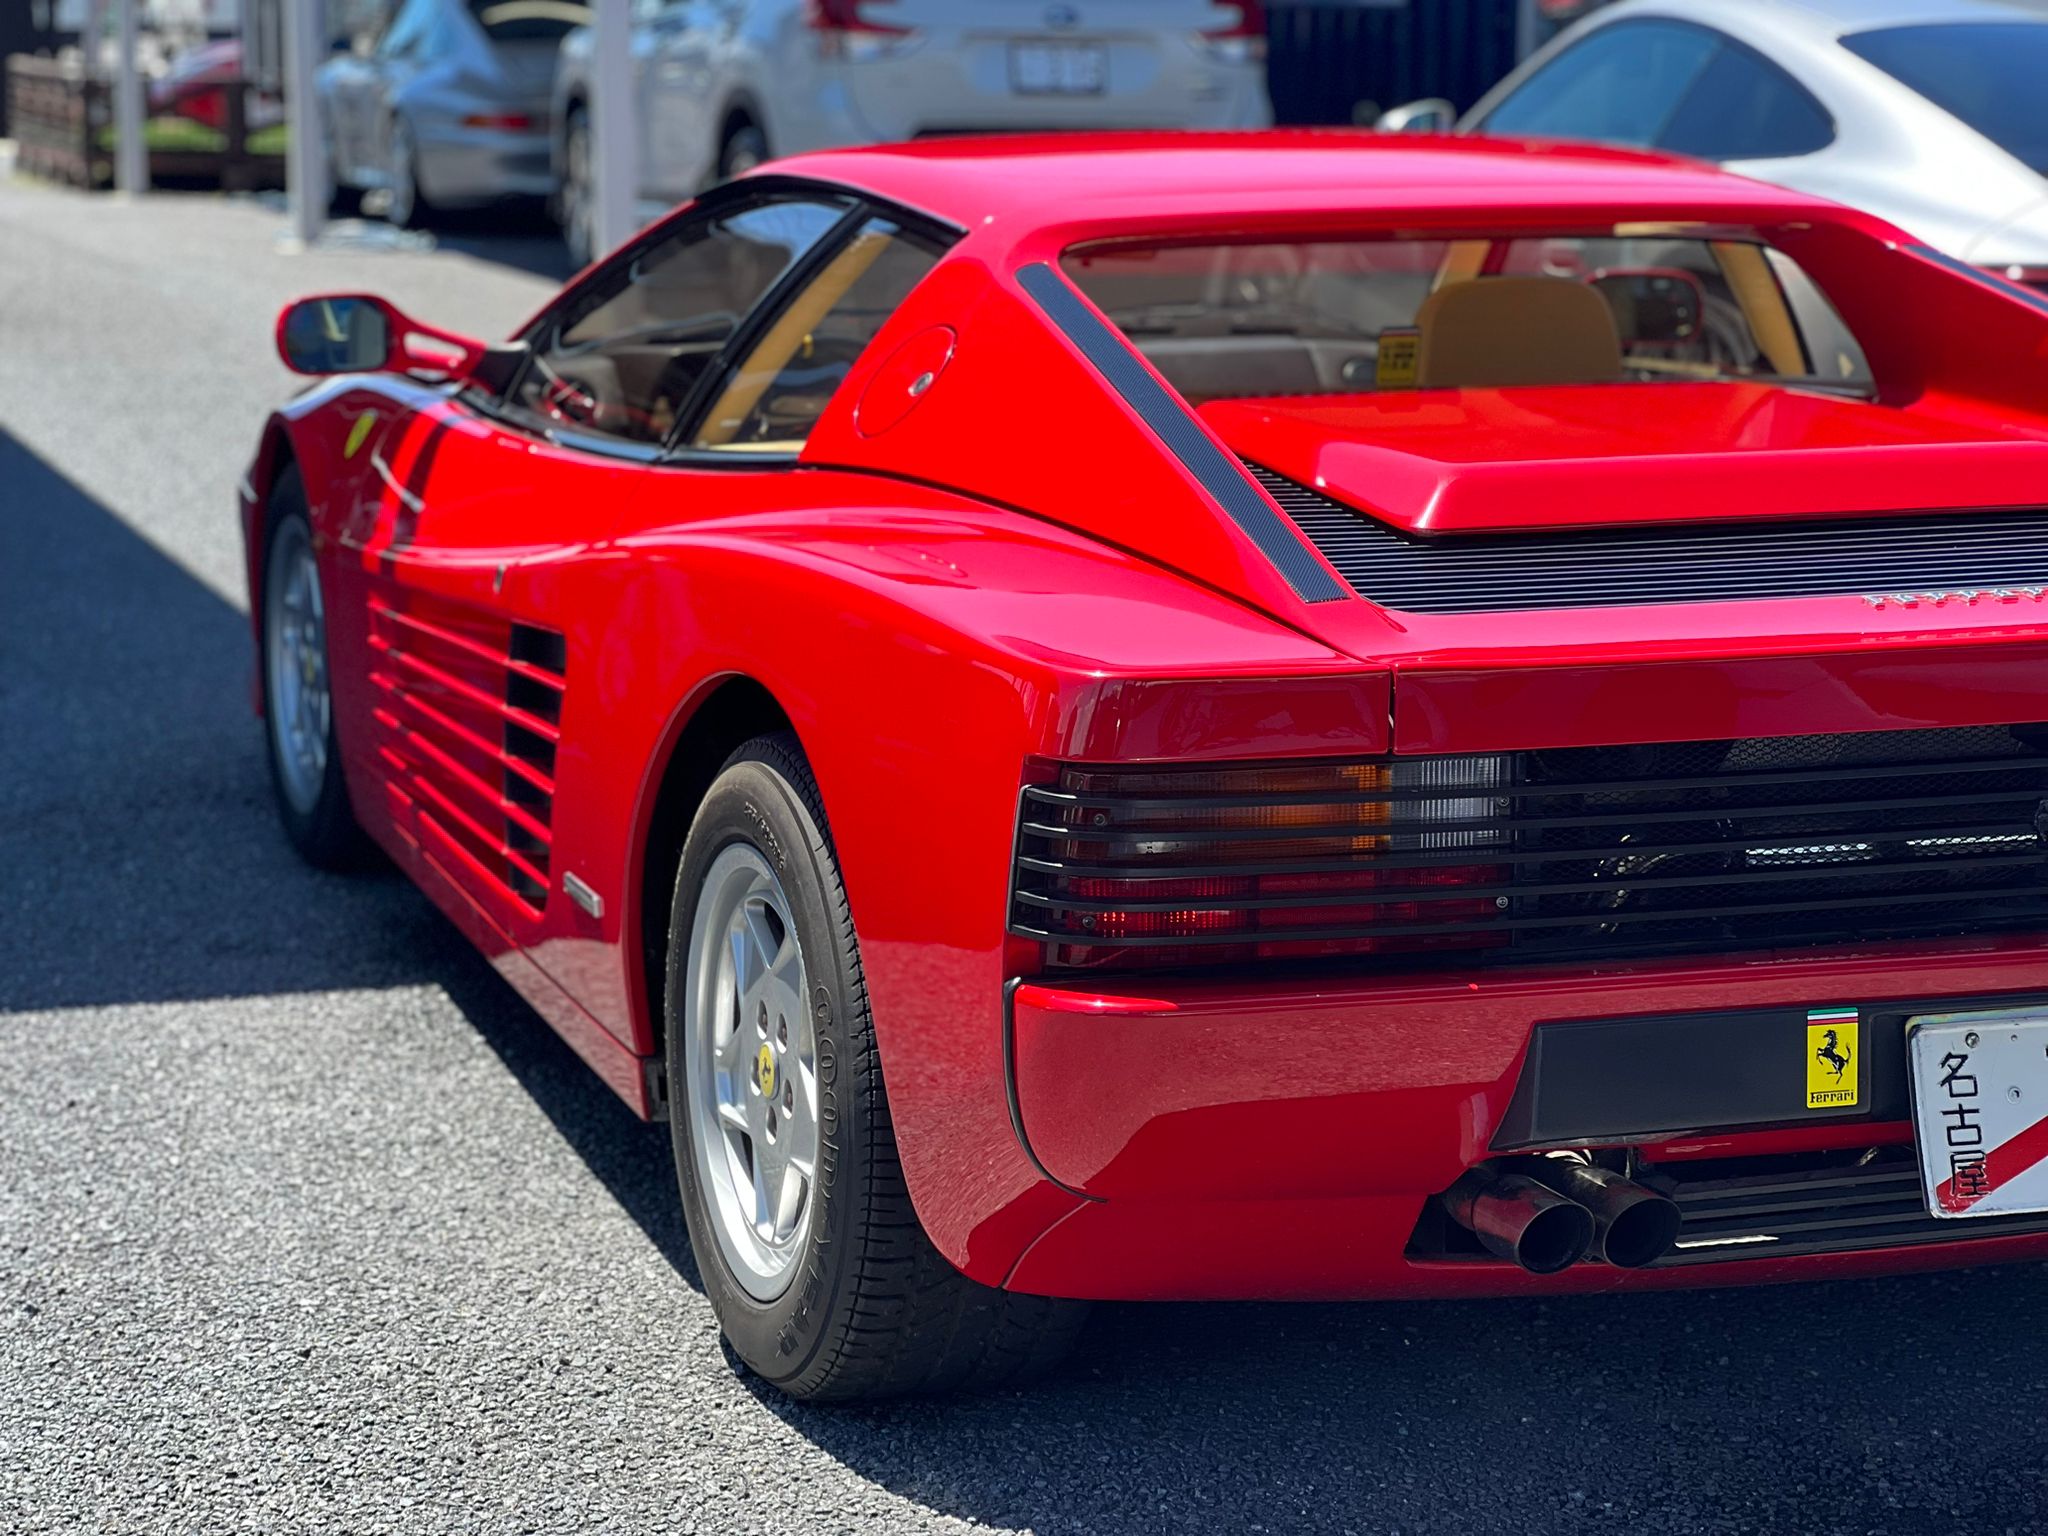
point(614, 132)
point(131, 155)
point(305, 169)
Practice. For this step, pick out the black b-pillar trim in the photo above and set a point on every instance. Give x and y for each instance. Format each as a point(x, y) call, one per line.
point(1224, 479)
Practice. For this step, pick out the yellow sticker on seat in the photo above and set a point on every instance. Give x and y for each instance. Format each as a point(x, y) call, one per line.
point(1831, 1067)
point(1400, 359)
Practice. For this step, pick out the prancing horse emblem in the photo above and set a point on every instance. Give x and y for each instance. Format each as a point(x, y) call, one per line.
point(1832, 1053)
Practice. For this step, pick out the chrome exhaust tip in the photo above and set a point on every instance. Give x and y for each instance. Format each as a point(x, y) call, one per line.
point(1519, 1219)
point(1632, 1226)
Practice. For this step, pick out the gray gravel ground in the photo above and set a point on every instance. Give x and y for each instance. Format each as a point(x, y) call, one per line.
point(307, 1225)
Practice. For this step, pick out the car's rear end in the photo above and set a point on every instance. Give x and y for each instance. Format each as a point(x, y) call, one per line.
point(888, 70)
point(1678, 858)
point(481, 112)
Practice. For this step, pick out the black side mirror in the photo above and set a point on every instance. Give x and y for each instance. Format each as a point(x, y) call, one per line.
point(339, 333)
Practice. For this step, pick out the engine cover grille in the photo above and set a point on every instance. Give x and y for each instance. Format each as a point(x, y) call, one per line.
point(1679, 563)
point(1715, 846)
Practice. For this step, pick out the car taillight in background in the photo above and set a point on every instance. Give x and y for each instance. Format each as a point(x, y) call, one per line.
point(1174, 866)
point(854, 29)
point(2035, 278)
point(1242, 38)
point(508, 122)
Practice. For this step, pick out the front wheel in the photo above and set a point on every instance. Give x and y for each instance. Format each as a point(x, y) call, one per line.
point(576, 208)
point(823, 1280)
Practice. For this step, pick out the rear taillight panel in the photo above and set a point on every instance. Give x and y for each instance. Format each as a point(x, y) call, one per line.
point(1168, 865)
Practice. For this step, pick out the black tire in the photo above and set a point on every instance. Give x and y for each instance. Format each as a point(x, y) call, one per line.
point(872, 1310)
point(407, 204)
point(325, 832)
point(744, 147)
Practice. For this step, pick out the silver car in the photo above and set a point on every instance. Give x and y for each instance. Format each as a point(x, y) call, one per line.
point(1930, 113)
point(724, 84)
point(444, 103)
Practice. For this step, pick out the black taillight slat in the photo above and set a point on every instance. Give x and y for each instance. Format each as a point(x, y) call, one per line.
point(1041, 795)
point(1144, 832)
point(1605, 568)
point(1655, 849)
point(1387, 895)
point(1518, 924)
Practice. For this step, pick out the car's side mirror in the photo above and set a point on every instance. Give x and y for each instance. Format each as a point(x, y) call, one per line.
point(1653, 306)
point(1431, 115)
point(361, 333)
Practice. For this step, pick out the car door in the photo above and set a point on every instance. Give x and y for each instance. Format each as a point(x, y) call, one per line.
point(469, 579)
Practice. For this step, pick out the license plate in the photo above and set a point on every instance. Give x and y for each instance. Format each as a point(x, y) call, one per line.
point(1980, 1110)
point(1058, 69)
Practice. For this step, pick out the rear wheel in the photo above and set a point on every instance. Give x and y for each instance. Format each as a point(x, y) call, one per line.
point(577, 206)
point(744, 147)
point(823, 1280)
point(406, 204)
point(298, 709)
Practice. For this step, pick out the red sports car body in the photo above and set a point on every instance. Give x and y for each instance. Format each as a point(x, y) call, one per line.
point(1300, 717)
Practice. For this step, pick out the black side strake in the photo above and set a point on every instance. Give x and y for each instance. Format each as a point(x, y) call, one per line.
point(1678, 563)
point(1218, 474)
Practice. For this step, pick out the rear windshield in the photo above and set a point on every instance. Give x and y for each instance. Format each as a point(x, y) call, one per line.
point(1240, 320)
point(1989, 74)
point(529, 21)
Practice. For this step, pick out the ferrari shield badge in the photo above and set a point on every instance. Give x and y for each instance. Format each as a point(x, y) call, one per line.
point(1831, 1067)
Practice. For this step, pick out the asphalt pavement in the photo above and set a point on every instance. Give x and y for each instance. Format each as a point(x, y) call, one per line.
point(306, 1224)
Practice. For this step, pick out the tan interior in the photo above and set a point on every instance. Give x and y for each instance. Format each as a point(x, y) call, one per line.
point(1756, 289)
point(766, 362)
point(1503, 331)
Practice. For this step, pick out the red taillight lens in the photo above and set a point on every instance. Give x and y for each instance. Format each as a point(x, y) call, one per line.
point(1171, 866)
point(510, 122)
point(1250, 22)
point(848, 16)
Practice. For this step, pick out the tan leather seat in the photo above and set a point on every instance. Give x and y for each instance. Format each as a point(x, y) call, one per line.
point(1494, 332)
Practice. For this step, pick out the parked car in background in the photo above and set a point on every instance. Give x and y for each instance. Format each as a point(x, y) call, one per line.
point(1928, 112)
point(445, 103)
point(722, 87)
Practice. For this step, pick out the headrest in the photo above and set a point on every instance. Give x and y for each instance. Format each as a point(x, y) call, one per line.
point(1493, 332)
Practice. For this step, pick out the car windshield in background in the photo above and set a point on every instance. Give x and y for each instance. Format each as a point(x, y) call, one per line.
point(529, 21)
point(1240, 321)
point(1989, 74)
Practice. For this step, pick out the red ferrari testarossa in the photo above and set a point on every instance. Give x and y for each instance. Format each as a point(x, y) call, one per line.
point(1285, 716)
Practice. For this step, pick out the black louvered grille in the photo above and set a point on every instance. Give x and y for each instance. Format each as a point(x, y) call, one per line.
point(1699, 846)
point(1688, 563)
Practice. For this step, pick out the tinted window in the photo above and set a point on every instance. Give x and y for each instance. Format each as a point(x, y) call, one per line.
point(529, 21)
point(1742, 107)
point(800, 361)
point(1989, 74)
point(1329, 317)
point(1619, 86)
point(624, 351)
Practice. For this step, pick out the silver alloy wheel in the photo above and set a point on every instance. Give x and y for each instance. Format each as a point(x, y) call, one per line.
point(295, 657)
point(752, 1064)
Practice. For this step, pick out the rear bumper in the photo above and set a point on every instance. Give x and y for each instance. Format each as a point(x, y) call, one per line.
point(1283, 1141)
point(471, 166)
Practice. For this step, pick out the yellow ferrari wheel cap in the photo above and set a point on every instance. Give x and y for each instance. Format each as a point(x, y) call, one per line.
point(764, 1071)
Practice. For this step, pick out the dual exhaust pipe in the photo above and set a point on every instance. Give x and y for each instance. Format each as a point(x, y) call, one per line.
point(1547, 1213)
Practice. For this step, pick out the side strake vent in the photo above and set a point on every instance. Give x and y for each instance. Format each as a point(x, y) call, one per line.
point(1683, 563)
point(471, 714)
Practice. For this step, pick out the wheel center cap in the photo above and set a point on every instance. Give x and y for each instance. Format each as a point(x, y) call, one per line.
point(764, 1071)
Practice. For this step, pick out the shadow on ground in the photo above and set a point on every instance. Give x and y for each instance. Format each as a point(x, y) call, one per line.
point(142, 863)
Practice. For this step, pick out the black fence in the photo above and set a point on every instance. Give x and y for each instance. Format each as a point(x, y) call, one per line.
point(1345, 61)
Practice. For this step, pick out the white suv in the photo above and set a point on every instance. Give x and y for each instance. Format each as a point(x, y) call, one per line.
point(724, 84)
